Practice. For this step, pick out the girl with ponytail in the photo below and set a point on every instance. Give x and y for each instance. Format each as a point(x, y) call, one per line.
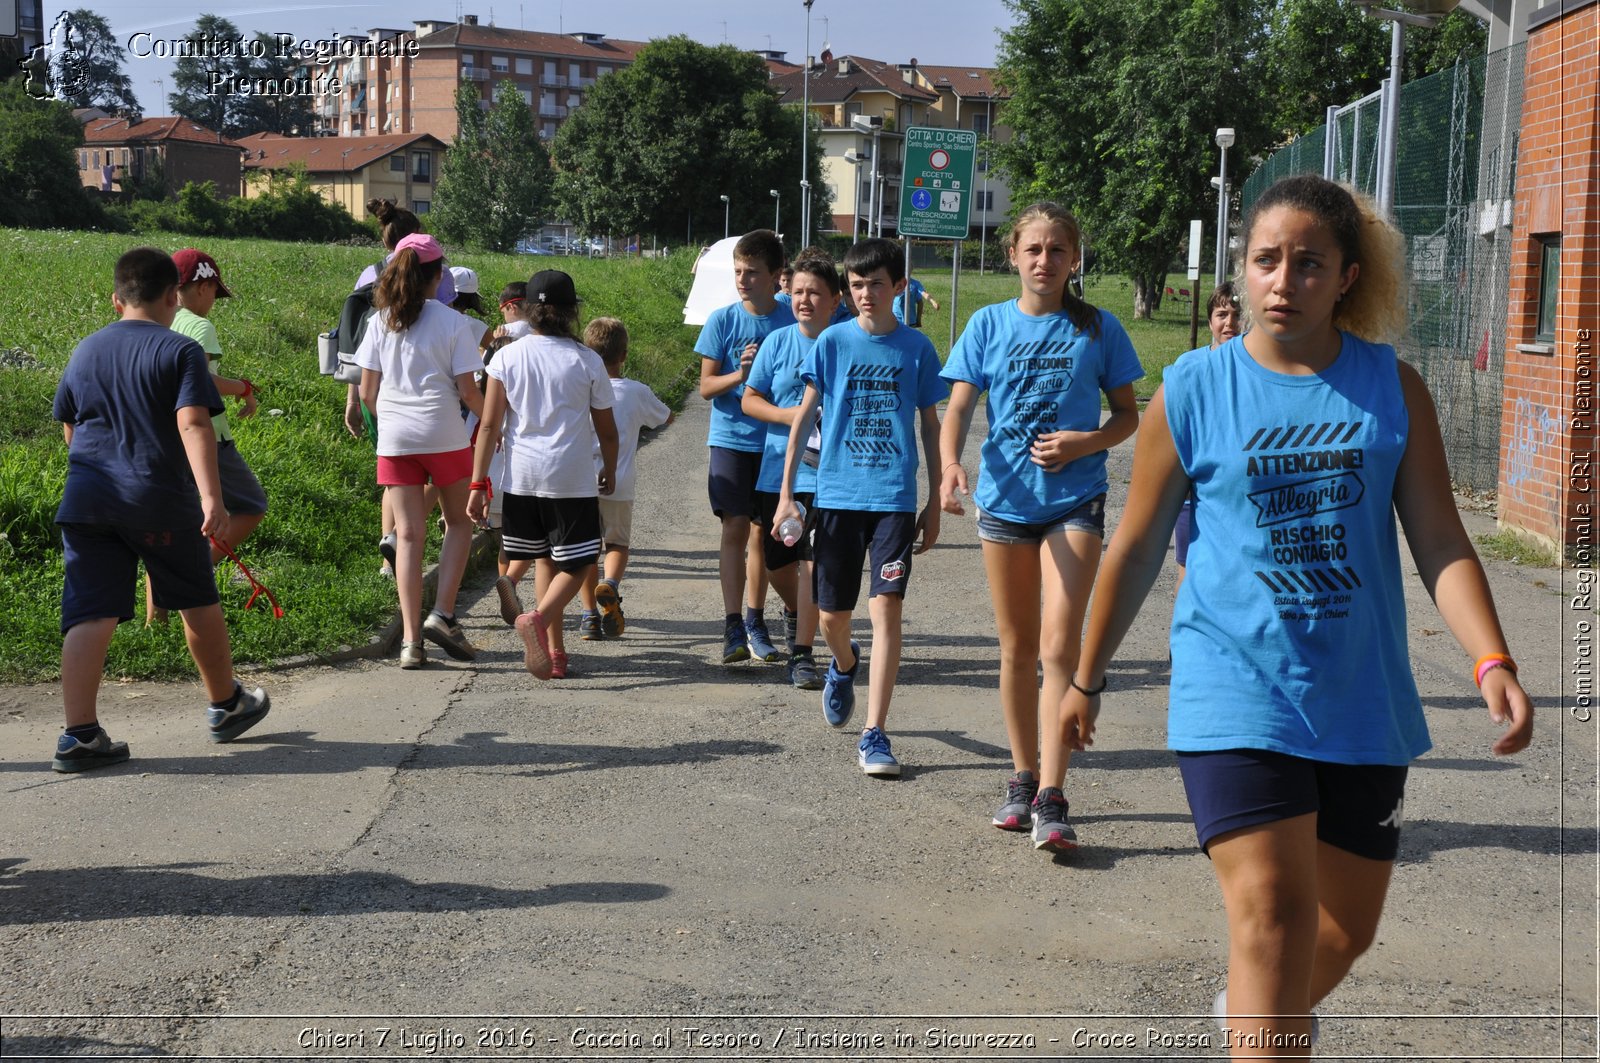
point(1045, 359)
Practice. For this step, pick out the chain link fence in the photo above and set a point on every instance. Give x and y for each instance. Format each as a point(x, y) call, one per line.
point(1455, 172)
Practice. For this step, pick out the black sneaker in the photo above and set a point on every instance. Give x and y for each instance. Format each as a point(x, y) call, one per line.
point(448, 633)
point(251, 708)
point(589, 627)
point(99, 752)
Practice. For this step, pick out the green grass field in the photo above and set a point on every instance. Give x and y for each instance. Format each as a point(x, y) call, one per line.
point(316, 549)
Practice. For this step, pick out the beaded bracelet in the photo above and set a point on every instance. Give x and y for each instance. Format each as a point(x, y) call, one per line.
point(1490, 661)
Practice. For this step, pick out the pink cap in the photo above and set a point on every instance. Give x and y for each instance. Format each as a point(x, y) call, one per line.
point(426, 247)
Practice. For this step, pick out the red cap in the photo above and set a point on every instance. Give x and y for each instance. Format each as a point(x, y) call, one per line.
point(196, 265)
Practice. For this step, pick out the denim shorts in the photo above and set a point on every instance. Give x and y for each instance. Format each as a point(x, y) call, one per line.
point(1087, 516)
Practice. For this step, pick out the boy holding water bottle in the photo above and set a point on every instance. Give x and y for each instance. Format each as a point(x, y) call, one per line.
point(772, 395)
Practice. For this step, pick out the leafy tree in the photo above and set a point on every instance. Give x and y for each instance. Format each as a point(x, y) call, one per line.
point(660, 141)
point(1115, 104)
point(97, 57)
point(278, 112)
point(192, 76)
point(38, 166)
point(495, 181)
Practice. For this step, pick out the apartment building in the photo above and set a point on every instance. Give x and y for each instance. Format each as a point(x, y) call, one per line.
point(390, 94)
point(902, 95)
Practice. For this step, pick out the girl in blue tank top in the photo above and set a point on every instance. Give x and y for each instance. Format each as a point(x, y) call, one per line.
point(1293, 708)
point(1044, 360)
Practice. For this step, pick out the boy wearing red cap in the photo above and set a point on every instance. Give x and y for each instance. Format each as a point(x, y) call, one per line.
point(199, 287)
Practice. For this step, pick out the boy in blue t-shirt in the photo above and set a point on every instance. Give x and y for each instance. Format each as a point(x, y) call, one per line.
point(875, 380)
point(727, 347)
point(135, 404)
point(773, 395)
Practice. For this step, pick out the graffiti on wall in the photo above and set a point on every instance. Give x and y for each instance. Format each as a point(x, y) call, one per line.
point(1533, 431)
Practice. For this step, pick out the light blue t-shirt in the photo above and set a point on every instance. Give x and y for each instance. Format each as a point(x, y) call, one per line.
point(914, 289)
point(776, 375)
point(722, 340)
point(1289, 632)
point(1042, 375)
point(872, 388)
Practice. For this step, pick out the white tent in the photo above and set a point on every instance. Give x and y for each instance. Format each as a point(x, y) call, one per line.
point(713, 282)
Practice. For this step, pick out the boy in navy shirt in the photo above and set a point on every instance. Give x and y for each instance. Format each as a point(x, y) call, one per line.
point(135, 402)
point(727, 347)
point(875, 380)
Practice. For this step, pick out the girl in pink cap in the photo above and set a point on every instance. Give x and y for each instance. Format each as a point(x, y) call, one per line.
point(417, 360)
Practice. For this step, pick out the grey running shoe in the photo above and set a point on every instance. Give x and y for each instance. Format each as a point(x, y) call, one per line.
point(589, 627)
point(1050, 827)
point(99, 752)
point(803, 672)
point(448, 634)
point(1017, 812)
point(510, 605)
point(250, 709)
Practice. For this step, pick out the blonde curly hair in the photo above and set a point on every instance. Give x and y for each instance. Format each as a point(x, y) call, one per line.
point(1374, 306)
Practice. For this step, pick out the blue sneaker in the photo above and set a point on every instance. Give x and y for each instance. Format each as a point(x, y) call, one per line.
point(874, 756)
point(760, 641)
point(98, 752)
point(250, 709)
point(839, 690)
point(735, 647)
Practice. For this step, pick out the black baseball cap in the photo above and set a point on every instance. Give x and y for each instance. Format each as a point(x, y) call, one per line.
point(553, 288)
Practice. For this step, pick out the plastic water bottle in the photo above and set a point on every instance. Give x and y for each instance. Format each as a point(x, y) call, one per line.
point(794, 527)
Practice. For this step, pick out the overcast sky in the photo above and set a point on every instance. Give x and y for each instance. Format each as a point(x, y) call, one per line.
point(940, 32)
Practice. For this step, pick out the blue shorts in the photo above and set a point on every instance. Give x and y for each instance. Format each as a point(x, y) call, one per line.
point(731, 482)
point(843, 539)
point(1183, 532)
point(1358, 806)
point(774, 555)
point(1089, 516)
point(102, 571)
point(242, 495)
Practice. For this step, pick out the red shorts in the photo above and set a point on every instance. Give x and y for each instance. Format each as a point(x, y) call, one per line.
point(415, 470)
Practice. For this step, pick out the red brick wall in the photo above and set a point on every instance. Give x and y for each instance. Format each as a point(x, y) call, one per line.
point(1547, 471)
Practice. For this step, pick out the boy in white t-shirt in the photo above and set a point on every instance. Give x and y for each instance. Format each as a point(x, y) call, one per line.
point(554, 398)
point(636, 408)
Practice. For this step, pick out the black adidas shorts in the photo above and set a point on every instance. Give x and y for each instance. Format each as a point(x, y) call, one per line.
point(565, 530)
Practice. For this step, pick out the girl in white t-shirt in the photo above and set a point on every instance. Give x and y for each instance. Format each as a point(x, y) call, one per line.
point(417, 360)
point(554, 397)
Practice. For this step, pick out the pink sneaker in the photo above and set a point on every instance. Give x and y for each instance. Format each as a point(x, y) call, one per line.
point(558, 664)
point(536, 645)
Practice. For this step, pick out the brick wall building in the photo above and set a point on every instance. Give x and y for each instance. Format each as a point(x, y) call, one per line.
point(1548, 478)
point(117, 153)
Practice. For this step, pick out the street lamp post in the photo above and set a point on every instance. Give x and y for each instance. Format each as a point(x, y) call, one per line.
point(1224, 141)
point(1424, 14)
point(853, 157)
point(777, 208)
point(805, 136)
point(725, 208)
point(871, 124)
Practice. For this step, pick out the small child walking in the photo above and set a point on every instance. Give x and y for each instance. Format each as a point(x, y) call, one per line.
point(636, 408)
point(554, 397)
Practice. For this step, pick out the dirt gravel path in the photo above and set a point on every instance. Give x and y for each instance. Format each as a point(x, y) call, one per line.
point(665, 858)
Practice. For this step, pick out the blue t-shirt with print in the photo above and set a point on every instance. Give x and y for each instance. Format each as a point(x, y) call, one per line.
point(723, 339)
point(872, 388)
point(121, 391)
point(1289, 632)
point(1043, 374)
point(776, 374)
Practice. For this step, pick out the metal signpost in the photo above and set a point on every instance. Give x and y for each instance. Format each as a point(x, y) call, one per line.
point(1196, 234)
point(936, 193)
